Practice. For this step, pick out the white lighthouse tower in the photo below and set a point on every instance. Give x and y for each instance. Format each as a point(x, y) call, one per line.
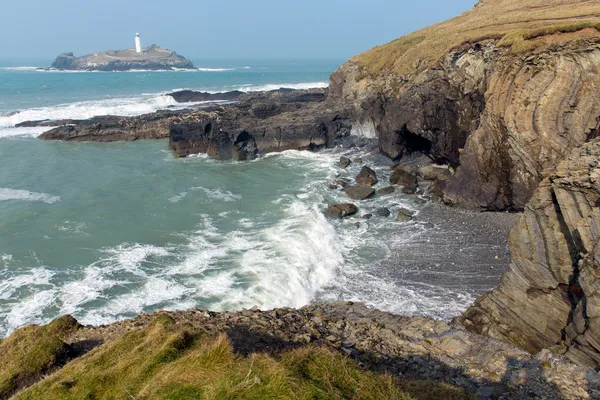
point(138, 44)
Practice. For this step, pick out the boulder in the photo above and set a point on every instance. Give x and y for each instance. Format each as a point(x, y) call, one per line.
point(338, 183)
point(434, 172)
point(383, 212)
point(345, 162)
point(359, 192)
point(367, 177)
point(386, 190)
point(342, 210)
point(550, 296)
point(404, 215)
point(405, 176)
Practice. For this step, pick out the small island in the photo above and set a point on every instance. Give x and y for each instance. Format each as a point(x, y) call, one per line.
point(150, 58)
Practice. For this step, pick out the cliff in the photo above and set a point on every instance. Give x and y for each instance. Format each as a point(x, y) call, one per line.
point(500, 93)
point(550, 296)
point(151, 58)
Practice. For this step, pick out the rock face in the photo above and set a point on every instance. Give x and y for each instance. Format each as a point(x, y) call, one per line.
point(261, 122)
point(152, 58)
point(550, 297)
point(499, 117)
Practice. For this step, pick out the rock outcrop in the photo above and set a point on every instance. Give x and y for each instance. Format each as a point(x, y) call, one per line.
point(500, 107)
point(257, 123)
point(151, 58)
point(550, 297)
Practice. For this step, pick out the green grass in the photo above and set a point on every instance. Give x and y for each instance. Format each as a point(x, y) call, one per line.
point(174, 361)
point(31, 352)
point(518, 24)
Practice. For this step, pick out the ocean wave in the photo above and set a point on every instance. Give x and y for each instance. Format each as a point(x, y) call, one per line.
point(219, 194)
point(87, 109)
point(215, 69)
point(275, 86)
point(16, 194)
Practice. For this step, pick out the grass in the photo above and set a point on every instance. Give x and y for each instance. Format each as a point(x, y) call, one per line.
point(173, 361)
point(31, 352)
point(520, 25)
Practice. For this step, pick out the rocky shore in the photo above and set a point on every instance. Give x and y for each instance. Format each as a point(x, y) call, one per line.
point(257, 123)
point(508, 120)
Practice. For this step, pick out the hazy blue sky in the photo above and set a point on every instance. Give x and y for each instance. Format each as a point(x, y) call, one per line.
point(336, 29)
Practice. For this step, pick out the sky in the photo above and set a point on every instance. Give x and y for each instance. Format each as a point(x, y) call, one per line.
point(215, 29)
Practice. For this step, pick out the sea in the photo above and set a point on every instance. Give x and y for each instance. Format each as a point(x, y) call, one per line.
point(105, 231)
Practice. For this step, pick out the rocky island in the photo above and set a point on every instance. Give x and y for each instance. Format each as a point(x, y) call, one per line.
point(508, 106)
point(151, 58)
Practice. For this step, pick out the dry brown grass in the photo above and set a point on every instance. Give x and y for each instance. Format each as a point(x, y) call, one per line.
point(519, 24)
point(171, 361)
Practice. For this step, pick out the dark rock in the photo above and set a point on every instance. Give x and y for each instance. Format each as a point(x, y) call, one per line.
point(367, 177)
point(367, 216)
point(187, 96)
point(338, 184)
point(404, 175)
point(386, 190)
point(357, 160)
point(359, 192)
point(409, 189)
point(345, 162)
point(342, 210)
point(383, 212)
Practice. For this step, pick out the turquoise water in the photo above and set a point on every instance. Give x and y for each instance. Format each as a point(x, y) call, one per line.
point(104, 231)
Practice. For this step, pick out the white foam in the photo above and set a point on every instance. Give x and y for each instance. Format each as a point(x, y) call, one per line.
point(178, 197)
point(275, 86)
point(87, 109)
point(35, 277)
point(129, 257)
point(215, 69)
point(219, 194)
point(16, 194)
point(30, 309)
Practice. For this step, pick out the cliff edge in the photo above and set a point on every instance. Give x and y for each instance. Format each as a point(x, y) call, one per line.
point(151, 58)
point(499, 93)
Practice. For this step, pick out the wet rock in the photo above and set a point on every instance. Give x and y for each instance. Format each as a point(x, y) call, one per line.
point(404, 215)
point(409, 189)
point(357, 160)
point(367, 177)
point(344, 162)
point(386, 190)
point(434, 172)
point(342, 210)
point(338, 184)
point(383, 212)
point(404, 175)
point(359, 192)
point(367, 216)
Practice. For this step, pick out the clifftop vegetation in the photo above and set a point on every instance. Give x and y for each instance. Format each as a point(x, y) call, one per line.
point(520, 25)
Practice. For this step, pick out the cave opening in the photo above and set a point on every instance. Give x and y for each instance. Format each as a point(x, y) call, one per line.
point(412, 143)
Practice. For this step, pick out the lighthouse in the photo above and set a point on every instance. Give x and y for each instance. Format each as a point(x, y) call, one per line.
point(138, 45)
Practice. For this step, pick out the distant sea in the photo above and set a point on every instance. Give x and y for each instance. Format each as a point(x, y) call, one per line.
point(104, 231)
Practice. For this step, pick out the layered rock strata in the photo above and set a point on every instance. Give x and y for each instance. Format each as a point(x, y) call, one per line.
point(499, 118)
point(550, 297)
